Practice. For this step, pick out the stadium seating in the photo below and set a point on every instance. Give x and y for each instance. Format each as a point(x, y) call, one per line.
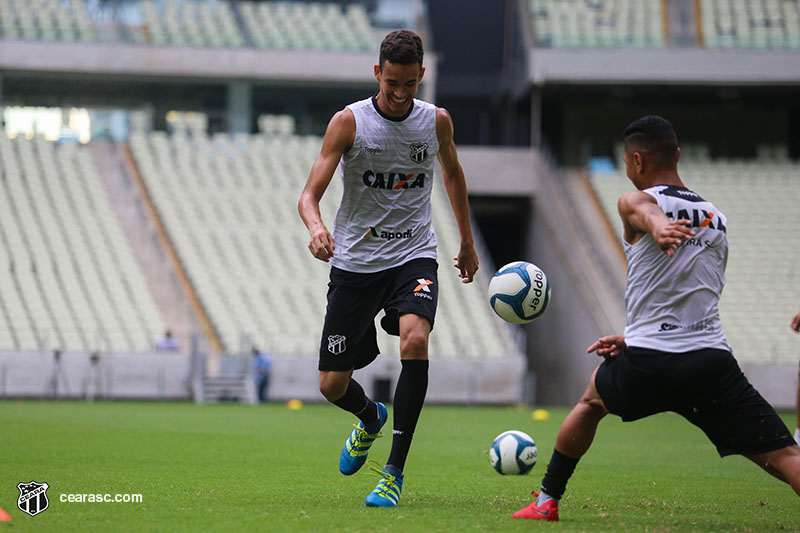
point(284, 25)
point(758, 24)
point(310, 26)
point(277, 25)
point(760, 199)
point(69, 278)
point(596, 23)
point(49, 20)
point(192, 24)
point(229, 206)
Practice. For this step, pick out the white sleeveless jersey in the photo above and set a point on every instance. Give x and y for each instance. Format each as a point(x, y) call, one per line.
point(384, 219)
point(672, 302)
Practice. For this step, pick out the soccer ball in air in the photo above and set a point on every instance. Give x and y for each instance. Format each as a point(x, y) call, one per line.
point(519, 292)
point(513, 452)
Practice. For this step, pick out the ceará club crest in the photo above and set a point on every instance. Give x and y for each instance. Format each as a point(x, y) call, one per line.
point(419, 152)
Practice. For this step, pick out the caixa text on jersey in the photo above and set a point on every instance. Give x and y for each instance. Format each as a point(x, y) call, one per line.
point(393, 180)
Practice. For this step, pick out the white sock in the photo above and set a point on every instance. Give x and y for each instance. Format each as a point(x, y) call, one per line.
point(797, 436)
point(543, 498)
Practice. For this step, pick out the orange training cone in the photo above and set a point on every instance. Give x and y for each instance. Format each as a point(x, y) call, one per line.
point(4, 516)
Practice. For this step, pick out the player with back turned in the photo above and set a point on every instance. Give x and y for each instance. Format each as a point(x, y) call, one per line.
point(383, 249)
point(673, 355)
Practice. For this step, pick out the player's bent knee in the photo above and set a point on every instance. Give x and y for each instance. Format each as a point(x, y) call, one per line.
point(332, 391)
point(414, 344)
point(786, 460)
point(332, 388)
point(592, 406)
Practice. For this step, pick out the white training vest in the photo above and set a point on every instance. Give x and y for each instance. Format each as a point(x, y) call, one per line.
point(384, 219)
point(672, 302)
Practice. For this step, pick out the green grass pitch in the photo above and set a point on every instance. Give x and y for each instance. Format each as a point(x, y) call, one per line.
point(266, 468)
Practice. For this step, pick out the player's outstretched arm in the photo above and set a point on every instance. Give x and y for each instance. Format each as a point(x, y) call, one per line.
point(467, 260)
point(796, 322)
point(610, 346)
point(339, 137)
point(640, 214)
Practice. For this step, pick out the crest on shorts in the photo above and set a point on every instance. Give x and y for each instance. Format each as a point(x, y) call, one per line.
point(336, 344)
point(419, 152)
point(32, 497)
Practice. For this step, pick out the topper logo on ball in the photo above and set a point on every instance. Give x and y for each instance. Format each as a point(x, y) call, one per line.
point(519, 292)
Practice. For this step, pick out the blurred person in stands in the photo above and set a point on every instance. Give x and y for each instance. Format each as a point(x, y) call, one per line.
point(261, 367)
point(167, 343)
point(383, 249)
point(796, 327)
point(673, 355)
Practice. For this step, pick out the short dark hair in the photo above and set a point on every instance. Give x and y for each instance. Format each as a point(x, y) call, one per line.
point(654, 137)
point(402, 47)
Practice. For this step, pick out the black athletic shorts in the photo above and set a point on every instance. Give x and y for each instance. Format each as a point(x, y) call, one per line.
point(706, 387)
point(349, 338)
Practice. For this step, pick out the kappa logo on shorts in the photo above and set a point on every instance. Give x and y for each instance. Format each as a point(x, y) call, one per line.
point(419, 152)
point(336, 344)
point(33, 497)
point(422, 289)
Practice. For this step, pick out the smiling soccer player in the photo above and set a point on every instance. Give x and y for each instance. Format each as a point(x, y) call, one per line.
point(383, 249)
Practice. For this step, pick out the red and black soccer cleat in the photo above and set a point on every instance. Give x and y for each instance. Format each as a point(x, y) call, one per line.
point(546, 511)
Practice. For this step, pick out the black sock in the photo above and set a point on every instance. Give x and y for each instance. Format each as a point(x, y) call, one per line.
point(356, 402)
point(408, 399)
point(558, 473)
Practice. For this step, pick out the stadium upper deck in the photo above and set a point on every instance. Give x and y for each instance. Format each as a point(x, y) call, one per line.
point(242, 58)
point(712, 24)
point(650, 41)
point(280, 25)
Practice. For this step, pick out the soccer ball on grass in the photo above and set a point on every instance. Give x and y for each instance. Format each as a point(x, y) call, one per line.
point(513, 452)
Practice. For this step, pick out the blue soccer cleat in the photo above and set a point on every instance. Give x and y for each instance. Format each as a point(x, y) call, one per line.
point(387, 493)
point(356, 448)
